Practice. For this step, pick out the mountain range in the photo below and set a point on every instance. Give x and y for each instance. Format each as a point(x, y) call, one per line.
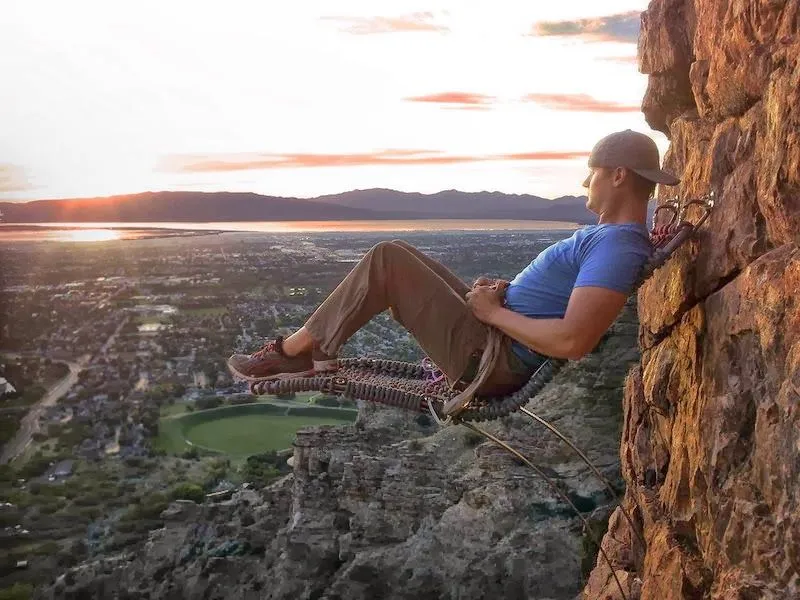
point(373, 204)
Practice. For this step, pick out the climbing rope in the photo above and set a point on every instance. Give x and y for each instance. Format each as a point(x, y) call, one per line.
point(557, 489)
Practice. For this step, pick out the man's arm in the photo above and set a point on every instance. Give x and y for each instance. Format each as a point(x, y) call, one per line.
point(590, 312)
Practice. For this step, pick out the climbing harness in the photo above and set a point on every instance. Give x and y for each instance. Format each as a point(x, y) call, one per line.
point(423, 387)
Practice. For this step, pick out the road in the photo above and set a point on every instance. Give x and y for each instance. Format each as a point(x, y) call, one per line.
point(30, 423)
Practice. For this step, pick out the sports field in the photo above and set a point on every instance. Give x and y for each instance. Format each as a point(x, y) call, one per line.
point(239, 431)
point(251, 434)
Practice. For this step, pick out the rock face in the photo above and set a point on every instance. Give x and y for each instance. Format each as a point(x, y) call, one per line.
point(711, 441)
point(394, 508)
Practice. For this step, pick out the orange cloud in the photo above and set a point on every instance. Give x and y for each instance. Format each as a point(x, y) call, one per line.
point(247, 162)
point(12, 179)
point(621, 27)
point(460, 100)
point(414, 22)
point(579, 102)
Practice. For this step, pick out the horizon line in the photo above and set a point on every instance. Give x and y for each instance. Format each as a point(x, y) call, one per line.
point(169, 191)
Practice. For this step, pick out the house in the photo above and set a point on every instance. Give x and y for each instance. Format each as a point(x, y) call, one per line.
point(6, 387)
point(61, 470)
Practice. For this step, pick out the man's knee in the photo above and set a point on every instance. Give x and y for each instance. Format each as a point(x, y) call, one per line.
point(383, 251)
point(382, 247)
point(403, 244)
point(392, 246)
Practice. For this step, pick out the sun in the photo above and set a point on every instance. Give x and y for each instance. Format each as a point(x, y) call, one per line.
point(93, 235)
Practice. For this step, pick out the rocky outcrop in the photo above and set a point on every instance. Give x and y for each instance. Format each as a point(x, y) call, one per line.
point(711, 440)
point(394, 507)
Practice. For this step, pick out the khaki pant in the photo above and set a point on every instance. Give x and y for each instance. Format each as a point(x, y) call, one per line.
point(428, 300)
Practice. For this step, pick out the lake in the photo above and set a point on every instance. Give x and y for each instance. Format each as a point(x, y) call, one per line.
point(104, 232)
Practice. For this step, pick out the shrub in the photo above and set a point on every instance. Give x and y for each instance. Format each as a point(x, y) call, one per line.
point(240, 399)
point(589, 549)
point(423, 420)
point(207, 403)
point(47, 549)
point(18, 591)
point(149, 507)
point(7, 474)
point(187, 491)
point(325, 400)
point(260, 469)
point(472, 439)
point(37, 465)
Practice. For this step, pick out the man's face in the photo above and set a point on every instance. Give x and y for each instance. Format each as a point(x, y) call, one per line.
point(601, 189)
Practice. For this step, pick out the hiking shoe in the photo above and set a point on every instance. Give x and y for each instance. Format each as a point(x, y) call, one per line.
point(270, 362)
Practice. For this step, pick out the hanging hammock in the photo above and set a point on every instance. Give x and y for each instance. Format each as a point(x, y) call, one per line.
point(422, 388)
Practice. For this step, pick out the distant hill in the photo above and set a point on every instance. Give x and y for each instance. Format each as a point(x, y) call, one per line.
point(467, 205)
point(376, 204)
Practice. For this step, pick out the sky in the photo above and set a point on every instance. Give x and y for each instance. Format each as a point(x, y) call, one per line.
point(312, 97)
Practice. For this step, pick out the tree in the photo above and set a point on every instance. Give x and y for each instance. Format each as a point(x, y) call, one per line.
point(207, 402)
point(187, 491)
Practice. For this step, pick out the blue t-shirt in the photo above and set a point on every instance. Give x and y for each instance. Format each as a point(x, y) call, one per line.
point(609, 255)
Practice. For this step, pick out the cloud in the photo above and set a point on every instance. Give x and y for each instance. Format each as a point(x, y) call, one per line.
point(622, 27)
point(460, 100)
point(414, 22)
point(12, 179)
point(246, 162)
point(580, 103)
point(628, 60)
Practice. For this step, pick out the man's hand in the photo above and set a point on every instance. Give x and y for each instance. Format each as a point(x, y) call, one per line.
point(486, 282)
point(485, 299)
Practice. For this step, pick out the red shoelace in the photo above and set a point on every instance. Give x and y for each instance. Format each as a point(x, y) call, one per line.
point(271, 346)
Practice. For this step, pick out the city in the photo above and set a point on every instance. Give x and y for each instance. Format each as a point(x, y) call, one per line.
point(101, 340)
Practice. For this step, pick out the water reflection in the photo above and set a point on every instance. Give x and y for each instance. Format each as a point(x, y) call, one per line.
point(90, 235)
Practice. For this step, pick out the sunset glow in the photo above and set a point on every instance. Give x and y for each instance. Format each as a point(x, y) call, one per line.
point(92, 235)
point(309, 98)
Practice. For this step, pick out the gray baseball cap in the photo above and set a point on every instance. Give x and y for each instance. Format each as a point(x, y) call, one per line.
point(632, 150)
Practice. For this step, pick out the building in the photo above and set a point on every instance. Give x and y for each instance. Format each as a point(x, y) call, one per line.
point(6, 387)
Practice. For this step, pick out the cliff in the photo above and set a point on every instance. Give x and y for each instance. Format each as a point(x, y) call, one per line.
point(711, 442)
point(393, 507)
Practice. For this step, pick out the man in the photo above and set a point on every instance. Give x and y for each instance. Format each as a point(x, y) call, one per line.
point(559, 306)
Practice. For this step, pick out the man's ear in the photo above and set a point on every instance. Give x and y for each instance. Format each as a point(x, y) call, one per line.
point(618, 176)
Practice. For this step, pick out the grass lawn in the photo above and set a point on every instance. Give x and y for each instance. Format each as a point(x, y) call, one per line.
point(205, 312)
point(170, 436)
point(228, 431)
point(250, 434)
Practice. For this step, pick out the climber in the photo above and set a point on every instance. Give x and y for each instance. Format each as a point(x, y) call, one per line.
point(558, 306)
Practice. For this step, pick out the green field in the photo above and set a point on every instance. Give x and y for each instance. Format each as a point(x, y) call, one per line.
point(245, 435)
point(245, 429)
